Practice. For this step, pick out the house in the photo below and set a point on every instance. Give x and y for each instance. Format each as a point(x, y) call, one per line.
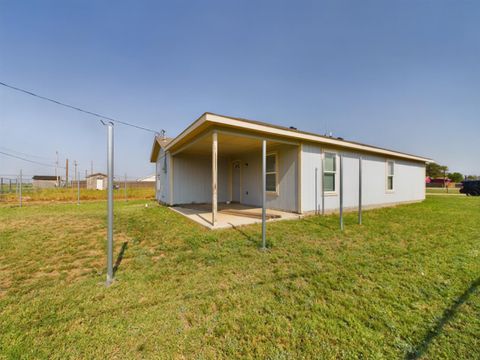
point(218, 160)
point(45, 181)
point(97, 181)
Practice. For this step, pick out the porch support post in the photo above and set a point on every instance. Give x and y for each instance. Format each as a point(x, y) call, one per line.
point(214, 176)
point(264, 193)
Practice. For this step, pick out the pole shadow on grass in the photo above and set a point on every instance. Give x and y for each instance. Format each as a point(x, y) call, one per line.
point(120, 257)
point(447, 315)
point(247, 236)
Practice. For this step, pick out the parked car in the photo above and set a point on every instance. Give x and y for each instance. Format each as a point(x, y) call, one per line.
point(471, 187)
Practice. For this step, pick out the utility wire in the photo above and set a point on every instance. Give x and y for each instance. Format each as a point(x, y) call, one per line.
point(28, 160)
point(77, 108)
point(19, 153)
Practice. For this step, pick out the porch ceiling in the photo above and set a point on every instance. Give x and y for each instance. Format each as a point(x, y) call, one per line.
point(228, 144)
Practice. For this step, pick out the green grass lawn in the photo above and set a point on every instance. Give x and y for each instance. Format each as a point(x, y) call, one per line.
point(443, 191)
point(404, 284)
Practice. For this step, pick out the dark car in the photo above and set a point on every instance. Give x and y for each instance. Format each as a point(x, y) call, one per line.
point(471, 187)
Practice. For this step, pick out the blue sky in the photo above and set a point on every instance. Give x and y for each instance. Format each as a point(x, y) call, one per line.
point(398, 74)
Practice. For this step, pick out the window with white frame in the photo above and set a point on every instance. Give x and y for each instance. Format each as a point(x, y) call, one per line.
point(271, 183)
point(329, 171)
point(390, 174)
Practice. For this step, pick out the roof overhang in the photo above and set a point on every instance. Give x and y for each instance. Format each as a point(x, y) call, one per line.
point(208, 120)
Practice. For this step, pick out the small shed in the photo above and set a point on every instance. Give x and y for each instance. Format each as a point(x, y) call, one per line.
point(97, 181)
point(45, 181)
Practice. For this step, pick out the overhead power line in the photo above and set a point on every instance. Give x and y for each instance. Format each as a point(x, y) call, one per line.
point(19, 153)
point(28, 160)
point(77, 108)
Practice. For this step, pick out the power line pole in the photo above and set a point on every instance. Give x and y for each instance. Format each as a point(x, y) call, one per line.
point(91, 167)
point(110, 203)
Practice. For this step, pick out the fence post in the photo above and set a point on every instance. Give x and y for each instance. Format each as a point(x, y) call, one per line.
point(1, 185)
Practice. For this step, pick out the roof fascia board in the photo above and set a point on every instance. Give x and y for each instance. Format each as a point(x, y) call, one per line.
point(308, 137)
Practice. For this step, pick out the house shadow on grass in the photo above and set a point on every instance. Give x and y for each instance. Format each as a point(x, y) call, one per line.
point(447, 315)
point(120, 257)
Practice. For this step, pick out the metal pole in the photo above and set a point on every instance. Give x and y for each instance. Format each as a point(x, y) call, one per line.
point(341, 192)
point(316, 201)
point(323, 186)
point(20, 187)
point(110, 204)
point(126, 199)
point(9, 185)
point(78, 187)
point(360, 190)
point(1, 185)
point(56, 168)
point(264, 194)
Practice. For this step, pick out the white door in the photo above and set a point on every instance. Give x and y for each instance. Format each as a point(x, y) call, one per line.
point(99, 184)
point(236, 183)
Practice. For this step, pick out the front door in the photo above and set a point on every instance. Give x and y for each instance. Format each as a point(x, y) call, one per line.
point(236, 181)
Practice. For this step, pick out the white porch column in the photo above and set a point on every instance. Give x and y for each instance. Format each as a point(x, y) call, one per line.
point(214, 176)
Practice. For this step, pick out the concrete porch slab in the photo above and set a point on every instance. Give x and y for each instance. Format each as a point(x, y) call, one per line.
point(230, 215)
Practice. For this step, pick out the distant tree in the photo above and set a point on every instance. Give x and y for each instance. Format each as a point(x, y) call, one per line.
point(472, 177)
point(455, 177)
point(435, 170)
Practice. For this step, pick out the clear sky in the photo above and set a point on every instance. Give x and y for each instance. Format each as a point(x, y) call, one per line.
point(398, 74)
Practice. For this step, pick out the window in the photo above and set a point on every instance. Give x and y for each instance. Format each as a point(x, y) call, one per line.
point(390, 174)
point(271, 183)
point(329, 171)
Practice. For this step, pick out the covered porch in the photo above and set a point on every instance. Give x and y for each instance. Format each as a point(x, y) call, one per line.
point(230, 215)
point(225, 178)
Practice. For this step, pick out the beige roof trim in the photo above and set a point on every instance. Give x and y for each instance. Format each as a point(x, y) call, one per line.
point(286, 132)
point(158, 142)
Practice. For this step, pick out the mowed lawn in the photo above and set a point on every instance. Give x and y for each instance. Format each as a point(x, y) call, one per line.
point(403, 285)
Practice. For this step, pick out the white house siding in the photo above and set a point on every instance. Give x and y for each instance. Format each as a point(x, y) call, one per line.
point(409, 180)
point(192, 176)
point(163, 178)
point(251, 179)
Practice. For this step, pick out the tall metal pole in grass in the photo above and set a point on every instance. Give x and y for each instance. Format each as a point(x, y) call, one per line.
point(264, 194)
point(322, 164)
point(360, 190)
point(316, 185)
point(126, 199)
point(20, 188)
point(78, 187)
point(110, 204)
point(341, 192)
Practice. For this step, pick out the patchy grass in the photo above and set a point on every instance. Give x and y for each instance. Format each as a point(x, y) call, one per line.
point(403, 285)
point(70, 195)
